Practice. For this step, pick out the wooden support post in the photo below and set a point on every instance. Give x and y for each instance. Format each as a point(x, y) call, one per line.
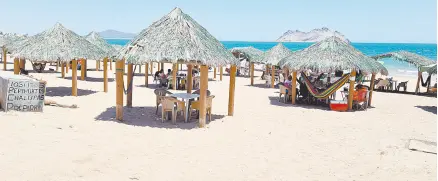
point(74, 78)
point(4, 58)
point(111, 64)
point(203, 96)
point(267, 70)
point(232, 89)
point(139, 69)
point(152, 68)
point(23, 63)
point(175, 69)
point(214, 73)
point(189, 78)
point(86, 67)
point(82, 63)
point(16, 66)
point(417, 88)
point(105, 74)
point(273, 76)
point(67, 66)
point(159, 67)
point(294, 86)
point(162, 66)
point(252, 73)
point(373, 77)
point(63, 70)
point(119, 89)
point(97, 65)
point(146, 74)
point(221, 72)
point(57, 65)
point(351, 89)
point(129, 86)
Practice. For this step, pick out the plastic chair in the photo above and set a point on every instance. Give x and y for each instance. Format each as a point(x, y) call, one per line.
point(284, 92)
point(196, 105)
point(362, 103)
point(160, 94)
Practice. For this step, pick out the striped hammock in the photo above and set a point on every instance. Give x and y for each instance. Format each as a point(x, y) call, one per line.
point(329, 91)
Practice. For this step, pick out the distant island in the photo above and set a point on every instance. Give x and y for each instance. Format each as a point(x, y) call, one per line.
point(114, 34)
point(312, 36)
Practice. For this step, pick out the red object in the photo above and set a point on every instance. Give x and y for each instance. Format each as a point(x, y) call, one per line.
point(339, 105)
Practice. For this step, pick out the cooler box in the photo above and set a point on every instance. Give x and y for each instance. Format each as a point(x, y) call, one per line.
point(338, 105)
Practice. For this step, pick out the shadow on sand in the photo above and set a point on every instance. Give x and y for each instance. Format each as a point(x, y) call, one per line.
point(262, 86)
point(146, 117)
point(410, 93)
point(65, 91)
point(90, 79)
point(431, 109)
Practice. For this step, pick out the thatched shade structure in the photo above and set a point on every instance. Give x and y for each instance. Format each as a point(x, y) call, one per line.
point(177, 38)
point(57, 43)
point(276, 54)
point(8, 42)
point(95, 39)
point(430, 69)
point(330, 55)
point(411, 58)
point(250, 53)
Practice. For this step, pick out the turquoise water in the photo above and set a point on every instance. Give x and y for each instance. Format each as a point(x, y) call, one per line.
point(370, 49)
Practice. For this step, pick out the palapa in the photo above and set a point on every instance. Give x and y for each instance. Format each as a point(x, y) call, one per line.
point(330, 55)
point(95, 39)
point(250, 53)
point(177, 38)
point(57, 43)
point(275, 54)
point(411, 58)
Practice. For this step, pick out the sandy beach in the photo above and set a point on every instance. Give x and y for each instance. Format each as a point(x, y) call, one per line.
point(264, 140)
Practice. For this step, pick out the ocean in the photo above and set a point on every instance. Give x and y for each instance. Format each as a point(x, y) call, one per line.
point(394, 67)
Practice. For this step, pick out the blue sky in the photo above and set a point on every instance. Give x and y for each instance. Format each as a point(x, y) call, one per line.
point(360, 21)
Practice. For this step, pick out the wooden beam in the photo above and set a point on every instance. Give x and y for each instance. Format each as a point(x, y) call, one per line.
point(159, 67)
point(214, 73)
point(417, 88)
point(86, 67)
point(252, 73)
point(82, 63)
point(351, 89)
point(130, 79)
point(67, 66)
point(232, 89)
point(272, 76)
point(267, 70)
point(57, 65)
point(189, 83)
point(63, 70)
point(203, 96)
point(146, 74)
point(221, 72)
point(23, 63)
point(119, 89)
point(111, 64)
point(373, 77)
point(4, 57)
point(105, 74)
point(162, 66)
point(74, 78)
point(294, 86)
point(97, 65)
point(175, 69)
point(16, 66)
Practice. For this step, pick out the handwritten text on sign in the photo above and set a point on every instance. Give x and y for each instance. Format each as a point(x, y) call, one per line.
point(24, 95)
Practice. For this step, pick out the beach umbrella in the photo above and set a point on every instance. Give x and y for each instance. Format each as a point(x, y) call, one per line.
point(59, 44)
point(411, 58)
point(251, 54)
point(178, 38)
point(273, 56)
point(330, 55)
point(430, 69)
point(95, 39)
point(8, 42)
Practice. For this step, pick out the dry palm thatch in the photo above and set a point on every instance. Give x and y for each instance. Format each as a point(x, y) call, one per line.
point(177, 38)
point(57, 43)
point(11, 40)
point(405, 56)
point(95, 39)
point(430, 69)
point(275, 54)
point(329, 55)
point(250, 53)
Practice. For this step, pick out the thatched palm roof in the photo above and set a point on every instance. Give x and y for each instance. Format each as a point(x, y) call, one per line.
point(251, 53)
point(330, 55)
point(95, 39)
point(275, 54)
point(11, 40)
point(177, 38)
point(405, 56)
point(57, 43)
point(430, 69)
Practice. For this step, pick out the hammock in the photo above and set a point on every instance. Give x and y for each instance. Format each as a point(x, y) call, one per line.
point(424, 84)
point(329, 91)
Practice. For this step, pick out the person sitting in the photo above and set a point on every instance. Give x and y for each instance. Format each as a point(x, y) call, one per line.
point(157, 74)
point(169, 72)
point(359, 92)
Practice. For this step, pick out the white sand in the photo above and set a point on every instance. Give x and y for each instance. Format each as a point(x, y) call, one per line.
point(265, 140)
